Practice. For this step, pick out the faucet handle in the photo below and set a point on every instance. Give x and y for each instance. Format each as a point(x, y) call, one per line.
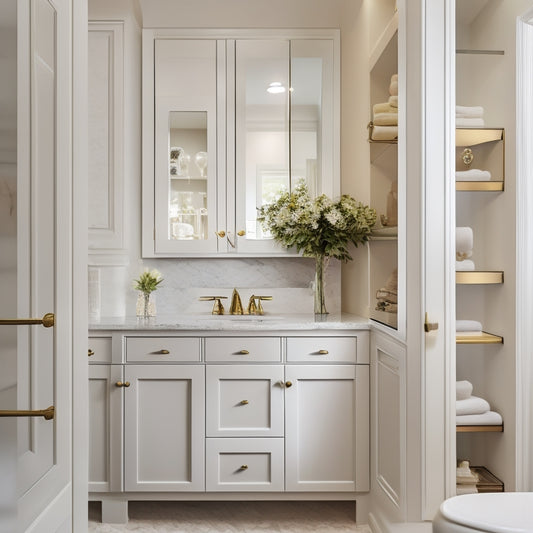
point(218, 308)
point(257, 309)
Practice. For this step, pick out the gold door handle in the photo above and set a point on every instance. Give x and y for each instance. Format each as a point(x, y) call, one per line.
point(48, 413)
point(241, 233)
point(288, 384)
point(221, 234)
point(244, 467)
point(90, 352)
point(323, 352)
point(47, 321)
point(430, 326)
point(244, 402)
point(244, 352)
point(164, 352)
point(122, 384)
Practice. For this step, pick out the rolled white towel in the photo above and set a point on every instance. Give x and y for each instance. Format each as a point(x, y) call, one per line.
point(463, 390)
point(490, 418)
point(394, 77)
point(466, 264)
point(468, 325)
point(464, 243)
point(384, 107)
point(393, 101)
point(469, 111)
point(471, 406)
point(384, 133)
point(469, 123)
point(474, 174)
point(385, 119)
point(393, 88)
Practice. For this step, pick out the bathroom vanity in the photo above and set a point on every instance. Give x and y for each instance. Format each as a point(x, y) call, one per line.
point(228, 408)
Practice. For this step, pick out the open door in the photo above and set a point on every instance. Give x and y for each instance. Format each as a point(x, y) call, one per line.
point(36, 336)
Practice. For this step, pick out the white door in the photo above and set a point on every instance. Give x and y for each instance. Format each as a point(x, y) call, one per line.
point(36, 256)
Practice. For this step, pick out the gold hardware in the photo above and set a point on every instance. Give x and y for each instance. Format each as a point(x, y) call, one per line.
point(164, 352)
point(467, 156)
point(323, 352)
point(288, 384)
point(90, 352)
point(244, 352)
point(122, 384)
point(477, 278)
point(48, 413)
point(236, 304)
point(257, 309)
point(127, 384)
point(230, 243)
point(218, 308)
point(430, 326)
point(244, 467)
point(221, 234)
point(47, 321)
point(244, 402)
point(241, 233)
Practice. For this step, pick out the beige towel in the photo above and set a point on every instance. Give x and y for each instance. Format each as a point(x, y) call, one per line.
point(393, 88)
point(393, 101)
point(384, 108)
point(385, 119)
point(384, 133)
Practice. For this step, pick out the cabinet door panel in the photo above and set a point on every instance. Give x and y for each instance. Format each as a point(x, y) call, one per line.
point(320, 428)
point(244, 401)
point(164, 419)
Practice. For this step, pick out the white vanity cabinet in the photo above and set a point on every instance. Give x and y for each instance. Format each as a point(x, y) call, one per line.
point(231, 119)
point(209, 413)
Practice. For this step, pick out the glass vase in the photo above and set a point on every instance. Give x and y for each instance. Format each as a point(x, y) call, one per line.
point(320, 289)
point(146, 305)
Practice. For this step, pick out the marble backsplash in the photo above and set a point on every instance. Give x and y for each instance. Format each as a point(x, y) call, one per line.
point(289, 280)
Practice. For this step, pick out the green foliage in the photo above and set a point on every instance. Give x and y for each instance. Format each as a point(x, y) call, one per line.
point(320, 226)
point(148, 281)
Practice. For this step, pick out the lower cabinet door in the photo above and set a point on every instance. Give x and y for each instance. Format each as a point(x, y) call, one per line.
point(164, 428)
point(246, 465)
point(105, 428)
point(320, 407)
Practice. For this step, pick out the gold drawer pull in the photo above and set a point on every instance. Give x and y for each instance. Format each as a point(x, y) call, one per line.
point(288, 384)
point(241, 233)
point(48, 413)
point(244, 402)
point(221, 234)
point(47, 321)
point(122, 384)
point(90, 352)
point(244, 467)
point(323, 352)
point(244, 352)
point(164, 352)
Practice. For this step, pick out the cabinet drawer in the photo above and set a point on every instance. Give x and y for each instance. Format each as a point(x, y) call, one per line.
point(100, 349)
point(243, 349)
point(167, 349)
point(322, 349)
point(244, 465)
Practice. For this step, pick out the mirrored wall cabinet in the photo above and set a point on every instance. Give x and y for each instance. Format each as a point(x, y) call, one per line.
point(231, 120)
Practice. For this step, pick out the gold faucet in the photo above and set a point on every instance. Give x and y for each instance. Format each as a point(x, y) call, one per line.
point(218, 308)
point(257, 308)
point(235, 307)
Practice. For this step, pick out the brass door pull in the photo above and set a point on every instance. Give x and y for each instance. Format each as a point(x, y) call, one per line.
point(288, 384)
point(244, 402)
point(48, 413)
point(244, 467)
point(47, 321)
point(221, 234)
point(164, 352)
point(241, 233)
point(323, 352)
point(244, 352)
point(122, 384)
point(430, 326)
point(90, 352)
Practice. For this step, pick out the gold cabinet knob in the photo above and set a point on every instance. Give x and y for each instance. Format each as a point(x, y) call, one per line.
point(244, 467)
point(323, 352)
point(90, 352)
point(126, 384)
point(288, 384)
point(244, 352)
point(221, 233)
point(241, 233)
point(164, 352)
point(244, 402)
point(122, 384)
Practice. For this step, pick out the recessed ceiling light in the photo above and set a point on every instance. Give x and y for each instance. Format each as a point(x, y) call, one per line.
point(275, 87)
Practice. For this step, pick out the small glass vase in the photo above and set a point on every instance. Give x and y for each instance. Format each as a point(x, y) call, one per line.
point(146, 305)
point(320, 288)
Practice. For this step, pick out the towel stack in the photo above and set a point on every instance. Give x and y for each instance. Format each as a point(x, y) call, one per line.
point(473, 174)
point(467, 328)
point(387, 296)
point(472, 410)
point(469, 117)
point(466, 479)
point(464, 245)
point(385, 115)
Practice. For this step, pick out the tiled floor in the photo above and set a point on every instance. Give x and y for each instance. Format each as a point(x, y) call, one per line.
point(232, 517)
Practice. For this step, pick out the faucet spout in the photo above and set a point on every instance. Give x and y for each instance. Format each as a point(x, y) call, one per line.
point(236, 304)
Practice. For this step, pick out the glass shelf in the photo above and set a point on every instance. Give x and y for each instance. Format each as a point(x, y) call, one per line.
point(477, 277)
point(484, 338)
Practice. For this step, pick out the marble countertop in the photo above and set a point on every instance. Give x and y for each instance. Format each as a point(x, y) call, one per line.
point(208, 322)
